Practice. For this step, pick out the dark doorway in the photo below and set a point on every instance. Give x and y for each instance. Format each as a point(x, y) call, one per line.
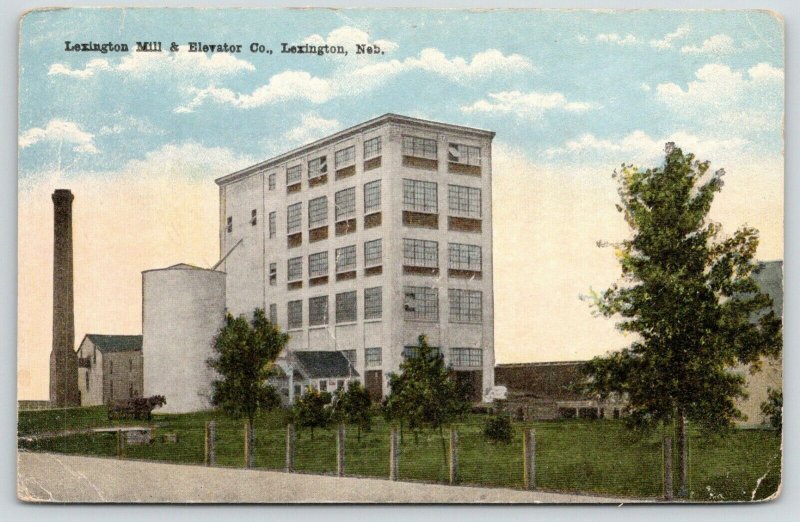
point(470, 383)
point(374, 384)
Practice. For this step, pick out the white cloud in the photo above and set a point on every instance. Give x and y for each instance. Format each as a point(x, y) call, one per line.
point(312, 127)
point(127, 123)
point(62, 131)
point(666, 42)
point(181, 63)
point(640, 147)
point(718, 88)
point(285, 86)
point(301, 85)
point(348, 37)
point(615, 38)
point(530, 105)
point(718, 44)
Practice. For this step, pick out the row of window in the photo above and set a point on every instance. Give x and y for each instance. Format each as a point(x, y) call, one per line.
point(459, 357)
point(422, 196)
point(344, 207)
point(319, 166)
point(345, 261)
point(346, 308)
point(421, 303)
point(425, 253)
point(418, 196)
point(427, 148)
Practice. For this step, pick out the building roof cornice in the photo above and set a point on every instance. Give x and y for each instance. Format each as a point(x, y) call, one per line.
point(346, 133)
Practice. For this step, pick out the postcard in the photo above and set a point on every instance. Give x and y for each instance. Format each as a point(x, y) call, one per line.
point(400, 256)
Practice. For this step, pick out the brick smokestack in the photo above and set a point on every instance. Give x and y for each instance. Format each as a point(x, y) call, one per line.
point(63, 359)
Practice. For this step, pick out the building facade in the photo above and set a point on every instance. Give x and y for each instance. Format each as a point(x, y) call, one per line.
point(364, 240)
point(110, 368)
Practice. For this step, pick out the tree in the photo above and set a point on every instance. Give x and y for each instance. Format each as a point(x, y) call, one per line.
point(688, 296)
point(772, 408)
point(353, 406)
point(244, 356)
point(312, 410)
point(423, 394)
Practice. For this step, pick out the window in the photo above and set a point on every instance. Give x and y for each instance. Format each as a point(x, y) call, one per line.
point(350, 355)
point(294, 175)
point(373, 302)
point(323, 385)
point(373, 253)
point(254, 217)
point(372, 148)
point(271, 181)
point(466, 357)
point(273, 313)
point(419, 147)
point(318, 264)
point(318, 212)
point(294, 218)
point(345, 157)
point(273, 274)
point(465, 306)
point(130, 391)
point(111, 388)
point(345, 259)
point(111, 367)
point(295, 313)
point(318, 310)
point(345, 203)
point(87, 380)
point(465, 257)
point(421, 303)
point(130, 365)
point(372, 357)
point(413, 351)
point(372, 196)
point(466, 154)
point(272, 230)
point(317, 167)
point(230, 224)
point(346, 307)
point(294, 269)
point(464, 201)
point(420, 196)
point(419, 252)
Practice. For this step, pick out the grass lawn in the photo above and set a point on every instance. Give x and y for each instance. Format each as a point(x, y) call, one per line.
point(587, 456)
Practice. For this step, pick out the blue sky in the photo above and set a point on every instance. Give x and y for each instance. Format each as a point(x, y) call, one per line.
point(140, 137)
point(609, 66)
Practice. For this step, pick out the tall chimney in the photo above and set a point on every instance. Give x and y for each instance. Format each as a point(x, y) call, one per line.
point(63, 359)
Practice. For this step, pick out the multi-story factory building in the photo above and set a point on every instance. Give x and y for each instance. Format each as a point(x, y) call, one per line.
point(364, 240)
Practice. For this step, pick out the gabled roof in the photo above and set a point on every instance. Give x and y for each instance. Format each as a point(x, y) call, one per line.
point(116, 343)
point(324, 364)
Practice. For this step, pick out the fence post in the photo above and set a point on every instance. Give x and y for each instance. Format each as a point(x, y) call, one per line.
point(529, 458)
point(211, 442)
point(340, 451)
point(667, 468)
point(290, 439)
point(120, 443)
point(453, 456)
point(248, 444)
point(394, 454)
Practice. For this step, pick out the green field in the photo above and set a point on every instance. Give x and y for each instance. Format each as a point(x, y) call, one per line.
point(587, 456)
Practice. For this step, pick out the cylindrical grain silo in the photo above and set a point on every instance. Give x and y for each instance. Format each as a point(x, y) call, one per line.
point(183, 308)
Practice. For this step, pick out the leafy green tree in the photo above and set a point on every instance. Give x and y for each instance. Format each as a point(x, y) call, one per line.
point(423, 394)
point(353, 407)
point(244, 356)
point(498, 428)
point(313, 410)
point(688, 296)
point(772, 408)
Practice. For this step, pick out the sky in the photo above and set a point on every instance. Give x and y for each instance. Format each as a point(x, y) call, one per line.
point(140, 137)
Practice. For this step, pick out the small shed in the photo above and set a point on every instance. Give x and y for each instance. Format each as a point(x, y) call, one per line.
point(328, 371)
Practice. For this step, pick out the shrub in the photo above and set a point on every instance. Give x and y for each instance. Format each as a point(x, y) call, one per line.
point(498, 429)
